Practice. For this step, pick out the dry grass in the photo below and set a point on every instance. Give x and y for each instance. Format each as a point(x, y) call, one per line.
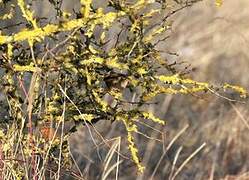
point(215, 42)
point(205, 138)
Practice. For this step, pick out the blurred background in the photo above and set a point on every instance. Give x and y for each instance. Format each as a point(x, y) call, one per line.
point(214, 42)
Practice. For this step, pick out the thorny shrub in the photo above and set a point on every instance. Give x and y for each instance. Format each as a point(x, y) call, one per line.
point(76, 70)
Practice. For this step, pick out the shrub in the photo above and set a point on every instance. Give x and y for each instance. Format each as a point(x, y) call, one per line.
point(78, 70)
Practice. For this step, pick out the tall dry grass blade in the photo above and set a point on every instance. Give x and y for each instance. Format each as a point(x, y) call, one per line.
point(187, 160)
point(174, 162)
point(240, 115)
point(168, 147)
point(62, 122)
point(116, 165)
point(109, 156)
point(118, 157)
point(108, 159)
point(76, 164)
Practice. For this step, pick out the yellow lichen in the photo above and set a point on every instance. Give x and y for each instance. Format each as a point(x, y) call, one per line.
point(10, 51)
point(27, 14)
point(149, 115)
point(86, 7)
point(218, 3)
point(101, 102)
point(243, 93)
point(28, 68)
point(85, 117)
point(113, 63)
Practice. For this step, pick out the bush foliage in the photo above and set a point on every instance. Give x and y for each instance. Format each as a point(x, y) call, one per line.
point(78, 69)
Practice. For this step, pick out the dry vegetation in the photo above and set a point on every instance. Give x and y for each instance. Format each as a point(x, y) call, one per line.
point(205, 137)
point(215, 42)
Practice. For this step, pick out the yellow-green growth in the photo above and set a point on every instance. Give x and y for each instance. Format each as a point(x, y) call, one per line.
point(218, 3)
point(90, 71)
